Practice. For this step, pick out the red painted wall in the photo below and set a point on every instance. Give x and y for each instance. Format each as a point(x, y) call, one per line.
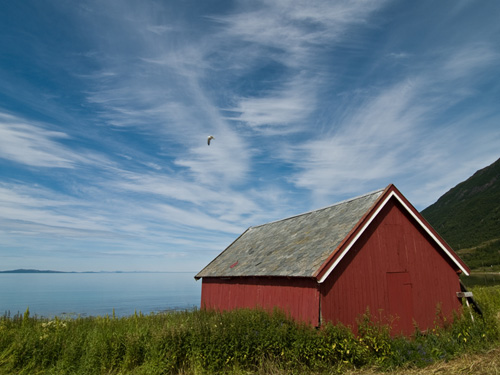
point(395, 270)
point(299, 296)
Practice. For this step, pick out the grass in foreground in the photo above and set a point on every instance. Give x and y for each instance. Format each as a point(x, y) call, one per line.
point(237, 342)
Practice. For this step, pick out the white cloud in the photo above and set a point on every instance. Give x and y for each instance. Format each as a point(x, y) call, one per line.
point(367, 146)
point(50, 212)
point(296, 27)
point(469, 61)
point(32, 145)
point(295, 35)
point(175, 188)
point(280, 112)
point(159, 29)
point(399, 55)
point(402, 133)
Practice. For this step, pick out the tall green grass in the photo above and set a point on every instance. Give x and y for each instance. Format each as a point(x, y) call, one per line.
point(241, 341)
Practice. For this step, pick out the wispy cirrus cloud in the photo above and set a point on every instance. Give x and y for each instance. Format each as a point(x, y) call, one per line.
point(48, 210)
point(468, 59)
point(280, 111)
point(391, 131)
point(114, 222)
point(293, 35)
point(33, 144)
point(367, 145)
point(290, 31)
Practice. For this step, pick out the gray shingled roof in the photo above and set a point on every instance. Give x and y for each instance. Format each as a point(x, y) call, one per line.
point(293, 247)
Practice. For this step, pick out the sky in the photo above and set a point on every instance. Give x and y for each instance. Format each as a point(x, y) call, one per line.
point(106, 106)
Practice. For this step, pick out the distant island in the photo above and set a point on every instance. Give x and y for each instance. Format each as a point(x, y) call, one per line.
point(24, 270)
point(31, 271)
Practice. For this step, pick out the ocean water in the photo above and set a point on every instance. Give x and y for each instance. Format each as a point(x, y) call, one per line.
point(97, 294)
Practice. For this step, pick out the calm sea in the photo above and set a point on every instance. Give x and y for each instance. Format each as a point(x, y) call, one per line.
point(93, 294)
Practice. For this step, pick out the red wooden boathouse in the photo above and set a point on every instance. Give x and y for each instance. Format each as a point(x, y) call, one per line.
point(375, 251)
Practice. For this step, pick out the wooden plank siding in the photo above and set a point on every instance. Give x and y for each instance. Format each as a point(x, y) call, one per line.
point(298, 297)
point(392, 250)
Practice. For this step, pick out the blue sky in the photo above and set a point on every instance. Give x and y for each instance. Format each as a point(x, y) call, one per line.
point(105, 109)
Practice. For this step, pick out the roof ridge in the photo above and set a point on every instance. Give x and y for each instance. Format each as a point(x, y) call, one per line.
point(319, 209)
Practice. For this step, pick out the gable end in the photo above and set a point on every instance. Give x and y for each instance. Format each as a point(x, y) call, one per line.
point(390, 193)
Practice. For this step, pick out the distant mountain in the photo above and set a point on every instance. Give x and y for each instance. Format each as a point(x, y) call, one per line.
point(468, 218)
point(23, 270)
point(30, 271)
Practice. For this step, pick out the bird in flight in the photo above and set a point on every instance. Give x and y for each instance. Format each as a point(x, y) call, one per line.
point(210, 137)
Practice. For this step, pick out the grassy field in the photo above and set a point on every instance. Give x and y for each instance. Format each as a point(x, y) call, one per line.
point(245, 342)
point(486, 363)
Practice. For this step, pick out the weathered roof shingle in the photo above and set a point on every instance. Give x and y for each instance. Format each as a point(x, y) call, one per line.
point(292, 247)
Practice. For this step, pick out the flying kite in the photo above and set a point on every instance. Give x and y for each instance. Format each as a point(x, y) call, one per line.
point(210, 137)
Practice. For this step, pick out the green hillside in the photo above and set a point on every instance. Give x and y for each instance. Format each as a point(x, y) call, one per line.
point(468, 218)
